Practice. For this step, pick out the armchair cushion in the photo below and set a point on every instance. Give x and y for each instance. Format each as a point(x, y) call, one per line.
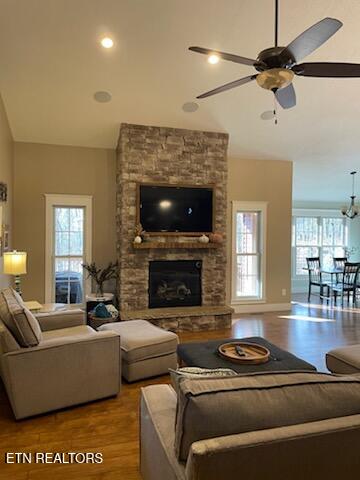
point(68, 335)
point(7, 340)
point(18, 319)
point(61, 319)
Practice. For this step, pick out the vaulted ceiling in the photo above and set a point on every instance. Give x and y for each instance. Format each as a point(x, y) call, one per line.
point(51, 64)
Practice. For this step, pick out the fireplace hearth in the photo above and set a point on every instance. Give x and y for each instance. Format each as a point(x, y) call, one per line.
point(175, 283)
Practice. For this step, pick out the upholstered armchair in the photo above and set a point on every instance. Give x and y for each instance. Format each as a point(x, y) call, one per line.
point(53, 361)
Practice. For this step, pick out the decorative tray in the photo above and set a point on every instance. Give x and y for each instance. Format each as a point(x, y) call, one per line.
point(242, 352)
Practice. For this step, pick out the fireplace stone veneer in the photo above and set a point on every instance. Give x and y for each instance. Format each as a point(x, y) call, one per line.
point(170, 156)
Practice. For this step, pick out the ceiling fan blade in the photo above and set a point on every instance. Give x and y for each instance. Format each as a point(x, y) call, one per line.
point(311, 39)
point(228, 86)
point(225, 56)
point(286, 97)
point(327, 69)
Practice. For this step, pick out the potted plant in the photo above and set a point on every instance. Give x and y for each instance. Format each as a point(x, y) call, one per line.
point(101, 275)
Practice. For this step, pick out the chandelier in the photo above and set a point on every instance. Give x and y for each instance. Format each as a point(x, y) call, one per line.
point(353, 210)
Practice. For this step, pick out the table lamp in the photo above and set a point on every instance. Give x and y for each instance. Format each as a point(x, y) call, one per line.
point(15, 264)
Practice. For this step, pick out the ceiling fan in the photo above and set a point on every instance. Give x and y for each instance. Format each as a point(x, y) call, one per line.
point(278, 65)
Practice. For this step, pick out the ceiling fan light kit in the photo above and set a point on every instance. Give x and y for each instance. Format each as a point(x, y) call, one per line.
point(277, 66)
point(275, 78)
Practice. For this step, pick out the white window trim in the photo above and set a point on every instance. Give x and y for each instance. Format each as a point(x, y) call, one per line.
point(56, 200)
point(312, 212)
point(249, 207)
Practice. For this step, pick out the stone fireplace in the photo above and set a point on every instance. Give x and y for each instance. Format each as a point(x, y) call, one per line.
point(175, 283)
point(170, 156)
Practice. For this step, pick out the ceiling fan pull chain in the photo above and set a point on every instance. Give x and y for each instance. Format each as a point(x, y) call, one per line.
point(275, 111)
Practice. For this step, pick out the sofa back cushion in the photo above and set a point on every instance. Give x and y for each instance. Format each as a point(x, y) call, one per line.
point(18, 319)
point(209, 408)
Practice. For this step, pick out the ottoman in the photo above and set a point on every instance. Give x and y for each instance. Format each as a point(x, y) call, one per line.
point(204, 355)
point(344, 360)
point(146, 350)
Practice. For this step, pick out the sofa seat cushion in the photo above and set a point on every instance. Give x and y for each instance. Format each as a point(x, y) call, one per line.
point(344, 360)
point(81, 332)
point(141, 340)
point(18, 319)
point(209, 408)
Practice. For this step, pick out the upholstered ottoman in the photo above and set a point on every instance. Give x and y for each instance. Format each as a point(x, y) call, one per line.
point(344, 360)
point(146, 350)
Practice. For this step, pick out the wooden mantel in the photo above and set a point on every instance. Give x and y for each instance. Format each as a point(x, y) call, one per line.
point(175, 245)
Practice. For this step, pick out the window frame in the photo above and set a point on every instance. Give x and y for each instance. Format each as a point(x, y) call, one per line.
point(255, 207)
point(61, 200)
point(319, 214)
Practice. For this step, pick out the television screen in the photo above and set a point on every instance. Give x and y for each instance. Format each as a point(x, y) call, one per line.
point(176, 209)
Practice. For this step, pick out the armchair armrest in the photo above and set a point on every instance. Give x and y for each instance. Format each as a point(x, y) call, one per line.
point(61, 319)
point(62, 372)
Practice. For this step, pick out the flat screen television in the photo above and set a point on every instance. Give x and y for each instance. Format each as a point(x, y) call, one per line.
point(175, 209)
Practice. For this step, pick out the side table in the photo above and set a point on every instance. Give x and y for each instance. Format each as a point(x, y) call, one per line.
point(92, 300)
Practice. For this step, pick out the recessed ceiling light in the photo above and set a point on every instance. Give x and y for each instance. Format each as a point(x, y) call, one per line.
point(102, 96)
point(213, 59)
point(190, 107)
point(107, 42)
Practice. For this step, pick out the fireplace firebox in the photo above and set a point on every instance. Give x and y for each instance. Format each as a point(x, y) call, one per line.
point(174, 283)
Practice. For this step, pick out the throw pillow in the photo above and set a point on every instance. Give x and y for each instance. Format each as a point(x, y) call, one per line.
point(101, 311)
point(19, 320)
point(176, 376)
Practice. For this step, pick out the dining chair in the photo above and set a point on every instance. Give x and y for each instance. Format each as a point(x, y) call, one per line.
point(348, 284)
point(339, 263)
point(315, 277)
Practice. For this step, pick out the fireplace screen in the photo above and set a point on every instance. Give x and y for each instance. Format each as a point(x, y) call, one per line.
point(174, 283)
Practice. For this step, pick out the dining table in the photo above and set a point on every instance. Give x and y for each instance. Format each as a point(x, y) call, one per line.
point(329, 271)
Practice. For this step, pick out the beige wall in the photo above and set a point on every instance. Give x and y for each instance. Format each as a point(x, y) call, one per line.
point(267, 181)
point(6, 175)
point(41, 169)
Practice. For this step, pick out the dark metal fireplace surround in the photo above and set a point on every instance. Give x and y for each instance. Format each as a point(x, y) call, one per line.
point(174, 283)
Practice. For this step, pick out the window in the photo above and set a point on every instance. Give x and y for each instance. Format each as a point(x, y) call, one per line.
point(320, 234)
point(68, 246)
point(248, 262)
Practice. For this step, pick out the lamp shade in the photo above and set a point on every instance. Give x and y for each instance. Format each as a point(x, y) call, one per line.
point(15, 263)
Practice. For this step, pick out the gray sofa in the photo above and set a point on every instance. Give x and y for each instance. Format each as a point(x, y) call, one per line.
point(55, 360)
point(274, 425)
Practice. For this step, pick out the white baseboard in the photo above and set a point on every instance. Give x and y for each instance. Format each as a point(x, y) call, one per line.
point(261, 307)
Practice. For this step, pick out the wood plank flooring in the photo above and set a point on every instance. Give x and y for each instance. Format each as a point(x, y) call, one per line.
point(111, 426)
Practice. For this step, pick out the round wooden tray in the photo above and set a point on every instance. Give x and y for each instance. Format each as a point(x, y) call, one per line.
point(255, 354)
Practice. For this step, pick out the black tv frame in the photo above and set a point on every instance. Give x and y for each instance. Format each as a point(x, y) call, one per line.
point(176, 185)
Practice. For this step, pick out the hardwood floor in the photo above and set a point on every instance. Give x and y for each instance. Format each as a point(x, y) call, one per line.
point(111, 426)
